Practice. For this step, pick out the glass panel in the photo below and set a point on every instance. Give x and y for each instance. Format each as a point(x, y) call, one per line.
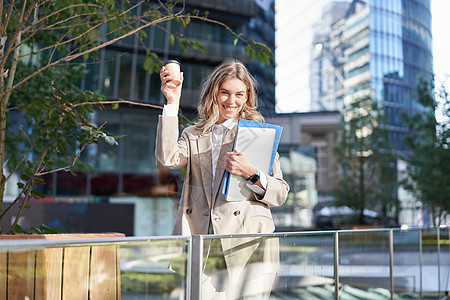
point(407, 267)
point(196, 77)
point(139, 85)
point(176, 27)
point(125, 76)
point(92, 75)
point(153, 270)
point(240, 267)
point(109, 69)
point(131, 269)
point(138, 148)
point(136, 184)
point(108, 155)
point(430, 269)
point(68, 184)
point(104, 184)
point(364, 263)
point(159, 38)
point(284, 267)
point(444, 235)
point(306, 267)
point(155, 88)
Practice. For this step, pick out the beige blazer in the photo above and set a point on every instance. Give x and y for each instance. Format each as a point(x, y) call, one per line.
point(252, 263)
point(198, 198)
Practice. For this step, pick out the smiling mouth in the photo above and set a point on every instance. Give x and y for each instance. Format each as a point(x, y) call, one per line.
point(228, 108)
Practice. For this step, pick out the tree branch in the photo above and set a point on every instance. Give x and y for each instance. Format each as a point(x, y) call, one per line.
point(8, 17)
point(41, 173)
point(75, 56)
point(23, 158)
point(12, 46)
point(31, 181)
point(14, 202)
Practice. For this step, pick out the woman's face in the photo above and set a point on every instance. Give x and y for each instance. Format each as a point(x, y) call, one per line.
point(231, 98)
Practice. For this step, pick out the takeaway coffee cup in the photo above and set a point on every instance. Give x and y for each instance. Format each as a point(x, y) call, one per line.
point(173, 66)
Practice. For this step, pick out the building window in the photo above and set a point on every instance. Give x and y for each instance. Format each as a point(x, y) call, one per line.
point(124, 76)
point(322, 162)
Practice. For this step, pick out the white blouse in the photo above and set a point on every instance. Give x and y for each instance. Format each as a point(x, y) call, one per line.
point(218, 133)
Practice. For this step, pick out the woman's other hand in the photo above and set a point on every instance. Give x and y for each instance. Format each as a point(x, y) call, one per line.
point(237, 164)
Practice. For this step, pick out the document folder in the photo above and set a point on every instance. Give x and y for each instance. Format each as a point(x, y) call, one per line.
point(259, 142)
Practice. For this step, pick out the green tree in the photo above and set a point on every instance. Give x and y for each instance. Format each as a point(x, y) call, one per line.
point(365, 177)
point(428, 169)
point(40, 40)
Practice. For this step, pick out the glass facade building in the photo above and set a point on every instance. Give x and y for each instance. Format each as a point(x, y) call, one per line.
point(332, 53)
point(130, 167)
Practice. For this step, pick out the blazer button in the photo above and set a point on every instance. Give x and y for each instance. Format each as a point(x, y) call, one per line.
point(237, 213)
point(188, 211)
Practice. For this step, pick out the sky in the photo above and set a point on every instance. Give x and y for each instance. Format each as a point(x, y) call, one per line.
point(441, 43)
point(441, 48)
point(440, 10)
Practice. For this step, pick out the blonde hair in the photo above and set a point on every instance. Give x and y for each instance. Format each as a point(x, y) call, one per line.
point(208, 109)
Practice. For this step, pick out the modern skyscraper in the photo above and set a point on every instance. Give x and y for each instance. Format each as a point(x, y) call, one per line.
point(332, 53)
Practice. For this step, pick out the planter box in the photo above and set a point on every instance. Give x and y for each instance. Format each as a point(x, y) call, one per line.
point(86, 272)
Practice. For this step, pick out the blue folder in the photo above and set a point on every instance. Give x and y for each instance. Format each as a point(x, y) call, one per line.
point(259, 142)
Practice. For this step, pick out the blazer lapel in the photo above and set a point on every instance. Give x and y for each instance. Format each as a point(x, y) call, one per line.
point(205, 159)
point(227, 146)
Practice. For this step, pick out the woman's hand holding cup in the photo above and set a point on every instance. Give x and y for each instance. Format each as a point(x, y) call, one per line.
point(171, 81)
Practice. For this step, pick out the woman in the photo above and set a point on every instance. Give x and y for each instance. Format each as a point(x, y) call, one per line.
point(205, 150)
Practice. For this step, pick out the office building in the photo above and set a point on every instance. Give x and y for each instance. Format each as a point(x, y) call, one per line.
point(118, 73)
point(333, 53)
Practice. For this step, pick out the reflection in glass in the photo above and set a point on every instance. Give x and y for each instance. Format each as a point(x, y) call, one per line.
point(159, 38)
point(141, 75)
point(124, 76)
point(407, 266)
point(129, 269)
point(108, 155)
point(430, 262)
point(138, 149)
point(104, 184)
point(364, 260)
point(239, 267)
point(155, 88)
point(306, 266)
point(444, 259)
point(92, 75)
point(347, 46)
point(155, 269)
point(109, 69)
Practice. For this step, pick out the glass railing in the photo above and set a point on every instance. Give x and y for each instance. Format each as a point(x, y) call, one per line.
point(346, 264)
point(99, 268)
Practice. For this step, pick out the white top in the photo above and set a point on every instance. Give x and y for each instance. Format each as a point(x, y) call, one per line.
point(218, 133)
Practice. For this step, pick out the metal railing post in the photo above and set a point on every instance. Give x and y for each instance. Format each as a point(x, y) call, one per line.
point(420, 259)
point(438, 237)
point(391, 262)
point(336, 265)
point(194, 271)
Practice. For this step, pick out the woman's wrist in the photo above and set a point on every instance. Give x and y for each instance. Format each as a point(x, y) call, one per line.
point(173, 101)
point(252, 171)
